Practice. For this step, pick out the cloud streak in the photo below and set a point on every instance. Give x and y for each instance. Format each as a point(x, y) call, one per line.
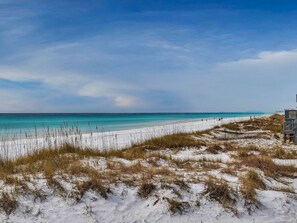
point(140, 58)
point(266, 81)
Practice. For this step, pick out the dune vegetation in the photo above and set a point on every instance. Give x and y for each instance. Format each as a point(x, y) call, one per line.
point(230, 164)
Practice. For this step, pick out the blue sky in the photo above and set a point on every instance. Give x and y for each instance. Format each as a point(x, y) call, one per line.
point(147, 56)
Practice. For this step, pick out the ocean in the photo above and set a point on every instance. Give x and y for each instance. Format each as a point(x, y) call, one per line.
point(18, 124)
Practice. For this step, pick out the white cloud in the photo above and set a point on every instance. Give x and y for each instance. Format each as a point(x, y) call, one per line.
point(258, 83)
point(97, 88)
point(94, 90)
point(266, 57)
point(113, 91)
point(265, 82)
point(267, 66)
point(96, 67)
point(125, 101)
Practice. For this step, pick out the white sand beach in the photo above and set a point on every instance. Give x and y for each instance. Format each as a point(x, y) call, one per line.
point(277, 200)
point(109, 140)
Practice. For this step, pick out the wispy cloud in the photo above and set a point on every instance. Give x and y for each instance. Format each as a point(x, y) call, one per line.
point(138, 57)
point(96, 68)
point(265, 81)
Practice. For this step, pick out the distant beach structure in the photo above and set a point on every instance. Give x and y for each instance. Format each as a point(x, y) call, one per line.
point(290, 125)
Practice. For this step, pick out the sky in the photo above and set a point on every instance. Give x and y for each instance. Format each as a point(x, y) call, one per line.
point(147, 55)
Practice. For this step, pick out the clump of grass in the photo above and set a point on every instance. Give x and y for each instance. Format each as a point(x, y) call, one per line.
point(220, 191)
point(263, 163)
point(51, 154)
point(95, 184)
point(242, 151)
point(231, 126)
point(163, 172)
point(183, 164)
point(229, 170)
point(203, 132)
point(250, 127)
point(8, 203)
point(173, 141)
point(56, 185)
point(214, 149)
point(146, 189)
point(284, 189)
point(175, 206)
point(252, 177)
point(249, 183)
point(266, 164)
point(210, 165)
point(242, 154)
point(10, 179)
point(182, 185)
point(272, 123)
point(287, 171)
point(280, 153)
point(38, 194)
point(92, 184)
point(131, 153)
point(22, 188)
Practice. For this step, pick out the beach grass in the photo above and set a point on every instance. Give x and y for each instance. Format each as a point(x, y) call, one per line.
point(151, 166)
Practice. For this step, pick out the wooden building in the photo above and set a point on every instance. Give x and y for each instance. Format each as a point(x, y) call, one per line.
point(290, 126)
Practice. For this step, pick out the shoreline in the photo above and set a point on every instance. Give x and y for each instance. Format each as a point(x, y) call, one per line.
point(198, 176)
point(11, 129)
point(113, 139)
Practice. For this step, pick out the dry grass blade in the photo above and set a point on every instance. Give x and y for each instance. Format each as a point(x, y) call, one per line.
point(182, 185)
point(249, 183)
point(56, 185)
point(175, 206)
point(231, 126)
point(263, 163)
point(146, 189)
point(220, 191)
point(8, 203)
point(171, 141)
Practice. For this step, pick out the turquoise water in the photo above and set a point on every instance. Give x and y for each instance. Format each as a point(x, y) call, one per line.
point(18, 123)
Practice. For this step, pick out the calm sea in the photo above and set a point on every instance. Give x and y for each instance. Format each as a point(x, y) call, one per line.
point(18, 123)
